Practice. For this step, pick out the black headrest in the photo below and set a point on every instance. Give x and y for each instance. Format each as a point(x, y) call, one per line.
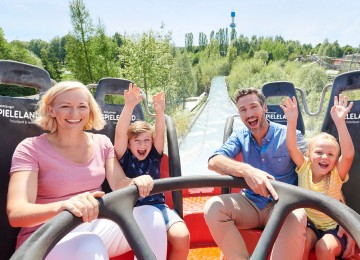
point(275, 112)
point(111, 112)
point(16, 116)
point(342, 83)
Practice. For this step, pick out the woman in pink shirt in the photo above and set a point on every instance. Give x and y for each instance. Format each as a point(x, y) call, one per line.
point(64, 170)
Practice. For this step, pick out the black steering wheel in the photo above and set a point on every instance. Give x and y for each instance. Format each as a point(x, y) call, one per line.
point(118, 206)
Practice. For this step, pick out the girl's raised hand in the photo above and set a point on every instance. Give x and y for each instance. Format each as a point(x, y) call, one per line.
point(340, 108)
point(290, 109)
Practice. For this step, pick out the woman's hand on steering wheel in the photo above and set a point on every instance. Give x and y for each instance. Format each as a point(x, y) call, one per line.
point(84, 205)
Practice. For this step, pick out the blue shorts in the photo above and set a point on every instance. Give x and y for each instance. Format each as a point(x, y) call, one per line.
point(170, 215)
point(320, 233)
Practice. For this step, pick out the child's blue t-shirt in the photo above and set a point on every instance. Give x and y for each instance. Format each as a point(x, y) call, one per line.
point(149, 166)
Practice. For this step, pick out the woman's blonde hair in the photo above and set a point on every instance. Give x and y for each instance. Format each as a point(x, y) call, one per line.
point(323, 136)
point(47, 122)
point(139, 127)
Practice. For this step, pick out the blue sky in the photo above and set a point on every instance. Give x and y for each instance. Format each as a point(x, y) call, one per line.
point(309, 21)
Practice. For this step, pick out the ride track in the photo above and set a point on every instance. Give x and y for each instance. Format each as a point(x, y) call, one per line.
point(118, 205)
point(206, 132)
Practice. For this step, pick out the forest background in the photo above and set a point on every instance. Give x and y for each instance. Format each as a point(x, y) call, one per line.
point(88, 54)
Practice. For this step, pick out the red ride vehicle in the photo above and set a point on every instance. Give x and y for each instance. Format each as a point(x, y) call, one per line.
point(187, 194)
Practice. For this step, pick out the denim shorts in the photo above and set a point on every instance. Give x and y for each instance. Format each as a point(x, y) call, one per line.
point(320, 233)
point(170, 215)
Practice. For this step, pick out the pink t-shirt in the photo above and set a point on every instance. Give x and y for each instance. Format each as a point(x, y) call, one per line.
point(59, 178)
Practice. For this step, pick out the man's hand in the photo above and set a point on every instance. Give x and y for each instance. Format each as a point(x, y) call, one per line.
point(259, 182)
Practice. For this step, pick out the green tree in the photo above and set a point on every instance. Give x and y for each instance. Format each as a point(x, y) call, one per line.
point(37, 45)
point(78, 43)
point(51, 64)
point(242, 46)
point(47, 53)
point(223, 40)
point(347, 49)
point(147, 60)
point(4, 46)
point(45, 61)
point(57, 47)
point(210, 64)
point(19, 52)
point(62, 51)
point(183, 78)
point(254, 45)
point(189, 42)
point(273, 72)
point(213, 49)
point(262, 55)
point(232, 53)
point(245, 73)
point(105, 50)
point(330, 49)
point(311, 78)
point(295, 49)
point(203, 41)
point(212, 35)
point(232, 34)
point(277, 49)
point(118, 39)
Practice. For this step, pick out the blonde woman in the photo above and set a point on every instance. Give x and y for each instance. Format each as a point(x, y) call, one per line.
point(64, 170)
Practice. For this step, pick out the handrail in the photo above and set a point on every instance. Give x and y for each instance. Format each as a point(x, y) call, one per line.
point(146, 105)
point(118, 205)
point(302, 94)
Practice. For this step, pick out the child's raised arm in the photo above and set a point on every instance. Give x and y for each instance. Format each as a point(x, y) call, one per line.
point(159, 107)
point(338, 113)
point(132, 97)
point(291, 112)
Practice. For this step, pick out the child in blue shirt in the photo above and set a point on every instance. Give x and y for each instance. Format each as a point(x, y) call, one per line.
point(139, 149)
